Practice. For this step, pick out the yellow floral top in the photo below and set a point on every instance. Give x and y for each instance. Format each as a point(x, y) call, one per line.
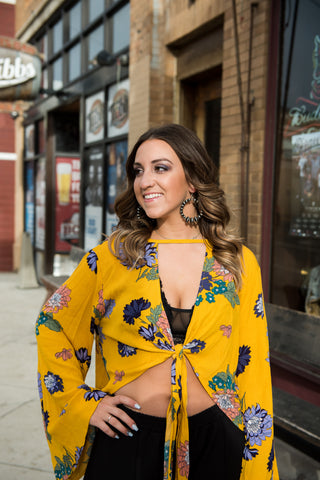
point(226, 343)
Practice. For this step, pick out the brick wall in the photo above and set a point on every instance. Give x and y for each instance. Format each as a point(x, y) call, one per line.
point(7, 19)
point(154, 89)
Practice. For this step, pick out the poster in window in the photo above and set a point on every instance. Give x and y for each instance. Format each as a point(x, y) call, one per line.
point(117, 156)
point(67, 211)
point(305, 199)
point(29, 201)
point(93, 197)
point(40, 204)
point(95, 117)
point(29, 141)
point(118, 109)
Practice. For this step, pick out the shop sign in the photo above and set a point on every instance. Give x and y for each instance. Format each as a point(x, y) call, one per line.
point(93, 198)
point(20, 72)
point(118, 109)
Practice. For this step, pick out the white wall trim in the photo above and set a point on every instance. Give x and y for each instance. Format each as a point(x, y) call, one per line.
point(8, 156)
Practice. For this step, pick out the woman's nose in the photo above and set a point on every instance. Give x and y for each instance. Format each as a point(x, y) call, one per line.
point(146, 179)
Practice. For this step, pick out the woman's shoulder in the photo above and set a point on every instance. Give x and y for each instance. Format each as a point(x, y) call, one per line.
point(250, 261)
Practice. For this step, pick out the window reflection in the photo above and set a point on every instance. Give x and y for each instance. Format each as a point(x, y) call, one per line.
point(75, 62)
point(57, 81)
point(121, 28)
point(95, 42)
point(57, 37)
point(75, 20)
point(96, 7)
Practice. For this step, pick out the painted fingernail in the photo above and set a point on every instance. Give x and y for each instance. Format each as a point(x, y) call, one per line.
point(117, 437)
point(135, 428)
point(130, 434)
point(137, 406)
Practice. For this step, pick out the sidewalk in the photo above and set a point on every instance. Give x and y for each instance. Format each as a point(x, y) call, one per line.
point(24, 454)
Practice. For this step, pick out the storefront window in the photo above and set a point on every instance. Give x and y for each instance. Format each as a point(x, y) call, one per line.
point(75, 62)
point(93, 197)
point(95, 42)
point(75, 20)
point(57, 37)
point(296, 241)
point(121, 28)
point(96, 7)
point(29, 200)
point(57, 81)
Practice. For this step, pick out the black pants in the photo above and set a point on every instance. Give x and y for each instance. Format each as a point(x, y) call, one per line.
point(216, 447)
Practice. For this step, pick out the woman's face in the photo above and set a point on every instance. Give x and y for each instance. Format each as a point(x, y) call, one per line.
point(160, 185)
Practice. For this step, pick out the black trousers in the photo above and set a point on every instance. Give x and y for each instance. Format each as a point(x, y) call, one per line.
point(216, 447)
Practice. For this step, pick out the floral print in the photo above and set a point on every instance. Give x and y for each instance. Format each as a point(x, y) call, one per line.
point(228, 402)
point(183, 459)
point(65, 354)
point(53, 383)
point(126, 351)
point(258, 308)
point(258, 425)
point(121, 308)
point(134, 309)
point(58, 300)
point(92, 259)
point(227, 329)
point(244, 359)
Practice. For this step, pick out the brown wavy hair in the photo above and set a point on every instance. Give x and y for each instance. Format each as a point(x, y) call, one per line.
point(129, 239)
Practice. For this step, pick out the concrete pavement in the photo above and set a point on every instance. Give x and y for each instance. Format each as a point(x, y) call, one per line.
point(24, 454)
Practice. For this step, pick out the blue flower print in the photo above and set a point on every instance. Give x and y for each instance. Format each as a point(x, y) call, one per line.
point(40, 386)
point(210, 297)
point(163, 345)
point(249, 453)
point(83, 356)
point(258, 308)
point(77, 456)
point(148, 333)
point(92, 393)
point(134, 309)
point(258, 425)
point(126, 351)
point(45, 416)
point(53, 383)
point(150, 255)
point(198, 300)
point(220, 287)
point(195, 346)
point(271, 459)
point(205, 282)
point(109, 306)
point(244, 359)
point(173, 372)
point(92, 259)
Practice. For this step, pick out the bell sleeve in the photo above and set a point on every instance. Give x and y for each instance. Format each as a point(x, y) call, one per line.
point(64, 332)
point(253, 377)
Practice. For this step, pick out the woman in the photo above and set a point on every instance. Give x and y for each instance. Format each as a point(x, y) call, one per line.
point(182, 375)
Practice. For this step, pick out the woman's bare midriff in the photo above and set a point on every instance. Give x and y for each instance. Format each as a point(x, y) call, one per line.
point(152, 390)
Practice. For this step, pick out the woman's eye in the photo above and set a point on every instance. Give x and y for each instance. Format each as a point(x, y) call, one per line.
point(137, 171)
point(161, 168)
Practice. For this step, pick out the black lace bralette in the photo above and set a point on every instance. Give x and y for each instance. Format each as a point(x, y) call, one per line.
point(178, 318)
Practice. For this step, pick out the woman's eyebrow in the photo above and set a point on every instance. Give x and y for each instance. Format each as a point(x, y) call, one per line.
point(156, 160)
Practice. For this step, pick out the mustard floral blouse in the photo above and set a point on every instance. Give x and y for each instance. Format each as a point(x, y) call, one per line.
point(226, 344)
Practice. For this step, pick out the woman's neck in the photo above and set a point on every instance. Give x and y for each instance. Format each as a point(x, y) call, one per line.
point(185, 232)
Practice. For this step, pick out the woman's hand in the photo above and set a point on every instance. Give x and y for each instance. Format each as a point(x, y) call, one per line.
point(108, 414)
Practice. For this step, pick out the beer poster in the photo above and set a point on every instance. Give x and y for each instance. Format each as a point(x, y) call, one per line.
point(95, 117)
point(67, 203)
point(118, 109)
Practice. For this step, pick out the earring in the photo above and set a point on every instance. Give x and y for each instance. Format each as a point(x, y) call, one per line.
point(139, 212)
point(192, 220)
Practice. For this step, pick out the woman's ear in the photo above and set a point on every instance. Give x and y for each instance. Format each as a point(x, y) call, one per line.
point(191, 188)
